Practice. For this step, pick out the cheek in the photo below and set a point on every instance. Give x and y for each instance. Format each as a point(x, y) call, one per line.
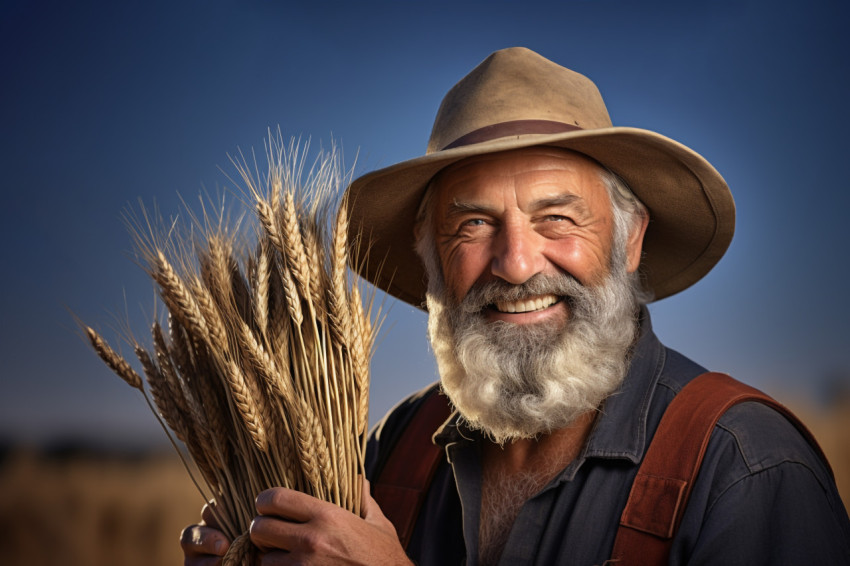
point(462, 267)
point(583, 260)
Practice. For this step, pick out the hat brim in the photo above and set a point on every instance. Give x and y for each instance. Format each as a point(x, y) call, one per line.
point(692, 213)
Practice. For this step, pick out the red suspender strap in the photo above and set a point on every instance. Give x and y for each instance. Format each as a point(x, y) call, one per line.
point(403, 483)
point(664, 481)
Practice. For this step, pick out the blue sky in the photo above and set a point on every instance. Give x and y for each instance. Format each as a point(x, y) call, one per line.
point(106, 103)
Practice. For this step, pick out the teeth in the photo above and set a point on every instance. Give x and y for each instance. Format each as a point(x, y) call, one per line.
point(527, 305)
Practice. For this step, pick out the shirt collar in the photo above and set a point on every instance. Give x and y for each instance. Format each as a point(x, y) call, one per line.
point(620, 429)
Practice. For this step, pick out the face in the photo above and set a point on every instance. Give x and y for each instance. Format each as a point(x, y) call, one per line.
point(513, 215)
point(530, 313)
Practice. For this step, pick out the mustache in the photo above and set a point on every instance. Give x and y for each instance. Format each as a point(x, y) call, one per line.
point(482, 295)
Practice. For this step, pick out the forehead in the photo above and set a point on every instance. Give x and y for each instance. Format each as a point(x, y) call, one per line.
point(531, 172)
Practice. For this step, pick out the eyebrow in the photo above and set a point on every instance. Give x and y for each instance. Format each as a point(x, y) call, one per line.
point(458, 207)
point(566, 199)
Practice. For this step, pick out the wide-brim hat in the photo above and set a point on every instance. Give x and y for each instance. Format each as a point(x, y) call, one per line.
point(516, 98)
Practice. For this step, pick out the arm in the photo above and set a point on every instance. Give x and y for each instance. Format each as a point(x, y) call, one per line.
point(780, 515)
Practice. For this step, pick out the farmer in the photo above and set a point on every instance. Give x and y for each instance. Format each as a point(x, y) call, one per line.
point(542, 232)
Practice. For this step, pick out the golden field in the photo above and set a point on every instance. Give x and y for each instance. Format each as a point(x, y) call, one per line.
point(85, 508)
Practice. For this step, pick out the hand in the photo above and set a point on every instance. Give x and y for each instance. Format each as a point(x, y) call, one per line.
point(204, 544)
point(295, 528)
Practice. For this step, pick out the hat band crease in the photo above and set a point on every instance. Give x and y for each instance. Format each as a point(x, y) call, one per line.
point(511, 128)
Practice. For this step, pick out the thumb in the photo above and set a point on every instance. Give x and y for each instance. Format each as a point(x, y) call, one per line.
point(369, 508)
point(371, 512)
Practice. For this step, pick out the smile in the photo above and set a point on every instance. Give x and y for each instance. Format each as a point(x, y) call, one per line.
point(530, 304)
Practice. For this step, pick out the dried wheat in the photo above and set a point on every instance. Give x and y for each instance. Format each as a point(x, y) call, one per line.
point(263, 375)
point(245, 399)
point(115, 362)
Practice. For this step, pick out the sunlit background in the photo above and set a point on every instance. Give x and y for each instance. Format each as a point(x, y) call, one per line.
point(105, 103)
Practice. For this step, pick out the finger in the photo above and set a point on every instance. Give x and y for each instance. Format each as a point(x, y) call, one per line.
point(365, 495)
point(289, 504)
point(209, 514)
point(369, 508)
point(271, 534)
point(200, 540)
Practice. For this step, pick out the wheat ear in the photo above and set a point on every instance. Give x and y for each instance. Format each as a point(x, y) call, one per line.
point(361, 346)
point(240, 553)
point(313, 448)
point(340, 313)
point(114, 361)
point(166, 365)
point(293, 245)
point(161, 395)
point(177, 298)
point(245, 398)
point(315, 264)
point(262, 287)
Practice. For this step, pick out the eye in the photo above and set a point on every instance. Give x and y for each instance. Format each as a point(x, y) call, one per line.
point(474, 227)
point(555, 225)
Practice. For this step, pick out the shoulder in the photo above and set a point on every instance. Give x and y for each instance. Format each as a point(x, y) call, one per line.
point(764, 487)
point(764, 438)
point(757, 448)
point(750, 437)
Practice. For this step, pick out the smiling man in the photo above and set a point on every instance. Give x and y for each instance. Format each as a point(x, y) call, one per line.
point(541, 231)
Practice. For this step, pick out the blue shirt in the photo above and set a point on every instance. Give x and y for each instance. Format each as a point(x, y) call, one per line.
point(763, 496)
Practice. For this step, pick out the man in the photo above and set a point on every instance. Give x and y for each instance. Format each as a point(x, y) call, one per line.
point(542, 230)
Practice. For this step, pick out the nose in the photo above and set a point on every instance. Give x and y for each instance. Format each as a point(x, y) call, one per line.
point(518, 254)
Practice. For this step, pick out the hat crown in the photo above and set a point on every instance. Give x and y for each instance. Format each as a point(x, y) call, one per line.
point(516, 85)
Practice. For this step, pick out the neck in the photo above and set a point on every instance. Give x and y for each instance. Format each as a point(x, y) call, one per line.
point(518, 470)
point(556, 449)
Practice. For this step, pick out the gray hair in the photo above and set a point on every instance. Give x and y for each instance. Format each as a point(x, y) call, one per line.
point(629, 212)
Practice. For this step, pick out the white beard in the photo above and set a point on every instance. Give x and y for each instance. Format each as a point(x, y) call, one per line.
point(519, 381)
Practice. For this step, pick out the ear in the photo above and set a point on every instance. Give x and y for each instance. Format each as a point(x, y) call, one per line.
point(634, 246)
point(417, 232)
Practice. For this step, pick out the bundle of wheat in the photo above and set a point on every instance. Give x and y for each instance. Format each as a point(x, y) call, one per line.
point(263, 371)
